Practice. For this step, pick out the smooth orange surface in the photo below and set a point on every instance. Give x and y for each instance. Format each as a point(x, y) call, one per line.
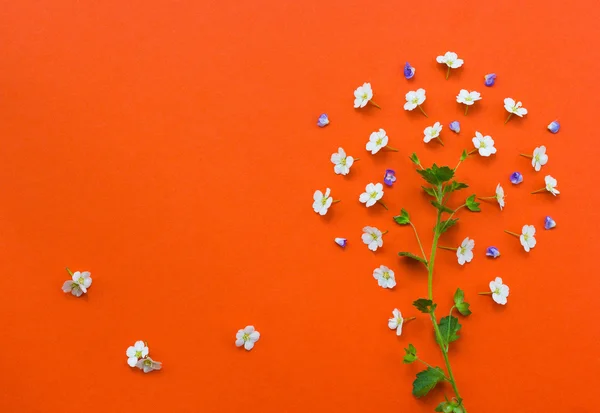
point(170, 148)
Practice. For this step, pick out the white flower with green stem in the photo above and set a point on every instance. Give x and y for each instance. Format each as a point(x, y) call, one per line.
point(539, 157)
point(377, 141)
point(433, 132)
point(464, 252)
point(468, 98)
point(499, 196)
point(363, 95)
point(527, 237)
point(373, 237)
point(373, 193)
point(397, 321)
point(451, 60)
point(551, 184)
point(322, 201)
point(414, 99)
point(78, 284)
point(498, 290)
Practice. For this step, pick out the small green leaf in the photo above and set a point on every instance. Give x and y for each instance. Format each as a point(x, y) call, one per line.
point(429, 191)
point(445, 225)
point(454, 186)
point(459, 296)
point(459, 302)
point(441, 207)
point(424, 305)
point(426, 380)
point(440, 407)
point(472, 204)
point(464, 155)
point(411, 354)
point(463, 308)
point(437, 175)
point(415, 159)
point(413, 256)
point(449, 326)
point(403, 218)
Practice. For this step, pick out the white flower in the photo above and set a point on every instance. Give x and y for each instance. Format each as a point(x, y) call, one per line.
point(500, 196)
point(514, 108)
point(485, 144)
point(527, 237)
point(362, 95)
point(138, 351)
point(247, 337)
point(377, 140)
point(551, 185)
point(372, 237)
point(384, 276)
point(432, 132)
point(322, 202)
point(539, 158)
point(395, 323)
point(451, 60)
point(464, 252)
point(147, 365)
point(499, 291)
point(372, 194)
point(468, 98)
point(79, 283)
point(342, 162)
point(414, 99)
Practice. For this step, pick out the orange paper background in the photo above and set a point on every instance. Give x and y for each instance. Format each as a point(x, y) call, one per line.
point(170, 148)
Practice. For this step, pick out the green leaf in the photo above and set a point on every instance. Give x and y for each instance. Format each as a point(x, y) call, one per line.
point(437, 175)
point(449, 326)
point(459, 296)
point(472, 204)
point(411, 354)
point(464, 309)
point(403, 218)
point(445, 225)
point(440, 407)
point(441, 207)
point(426, 380)
point(464, 155)
point(415, 159)
point(454, 186)
point(430, 191)
point(424, 305)
point(413, 256)
point(459, 302)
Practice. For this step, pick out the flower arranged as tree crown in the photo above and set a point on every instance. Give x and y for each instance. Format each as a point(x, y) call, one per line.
point(483, 144)
point(395, 323)
point(527, 237)
point(322, 201)
point(377, 141)
point(468, 98)
point(514, 108)
point(363, 95)
point(464, 252)
point(432, 132)
point(373, 237)
point(499, 291)
point(415, 99)
point(341, 162)
point(384, 276)
point(451, 60)
point(372, 194)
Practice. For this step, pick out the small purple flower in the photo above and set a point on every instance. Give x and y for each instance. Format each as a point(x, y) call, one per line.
point(341, 242)
point(492, 252)
point(516, 178)
point(554, 126)
point(409, 71)
point(490, 79)
point(455, 126)
point(390, 177)
point(323, 121)
point(549, 223)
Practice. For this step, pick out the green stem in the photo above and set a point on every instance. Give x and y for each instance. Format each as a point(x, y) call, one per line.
point(419, 241)
point(447, 248)
point(423, 111)
point(526, 156)
point(383, 205)
point(375, 104)
point(70, 272)
point(538, 191)
point(507, 119)
point(448, 73)
point(390, 148)
point(431, 367)
point(512, 233)
point(466, 109)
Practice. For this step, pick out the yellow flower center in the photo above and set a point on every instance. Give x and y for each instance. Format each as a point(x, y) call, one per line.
point(80, 280)
point(374, 236)
point(343, 162)
point(415, 101)
point(386, 275)
point(497, 290)
point(365, 96)
point(138, 354)
point(324, 200)
point(482, 144)
point(468, 98)
point(379, 141)
point(246, 337)
point(374, 194)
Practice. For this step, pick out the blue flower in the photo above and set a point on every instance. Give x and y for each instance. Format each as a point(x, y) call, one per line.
point(409, 71)
point(455, 126)
point(341, 242)
point(390, 177)
point(492, 252)
point(516, 178)
point(554, 126)
point(549, 223)
point(323, 121)
point(490, 79)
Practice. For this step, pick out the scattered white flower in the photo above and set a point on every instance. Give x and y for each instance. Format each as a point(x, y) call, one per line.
point(322, 202)
point(385, 277)
point(415, 99)
point(500, 196)
point(468, 98)
point(138, 351)
point(247, 337)
point(539, 158)
point(551, 184)
point(363, 95)
point(432, 132)
point(483, 144)
point(464, 252)
point(514, 108)
point(527, 237)
point(499, 291)
point(395, 323)
point(451, 60)
point(148, 365)
point(377, 140)
point(373, 238)
point(79, 283)
point(342, 162)
point(372, 194)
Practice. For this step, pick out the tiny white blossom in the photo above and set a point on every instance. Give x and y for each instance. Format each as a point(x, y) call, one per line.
point(551, 185)
point(372, 194)
point(451, 60)
point(247, 337)
point(464, 252)
point(342, 162)
point(147, 365)
point(484, 144)
point(468, 98)
point(527, 237)
point(432, 132)
point(377, 140)
point(414, 99)
point(362, 95)
point(539, 158)
point(79, 283)
point(499, 291)
point(500, 196)
point(372, 237)
point(514, 108)
point(395, 323)
point(138, 351)
point(322, 202)
point(385, 277)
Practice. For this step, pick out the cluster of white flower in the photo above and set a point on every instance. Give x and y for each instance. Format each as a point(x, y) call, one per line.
point(138, 356)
